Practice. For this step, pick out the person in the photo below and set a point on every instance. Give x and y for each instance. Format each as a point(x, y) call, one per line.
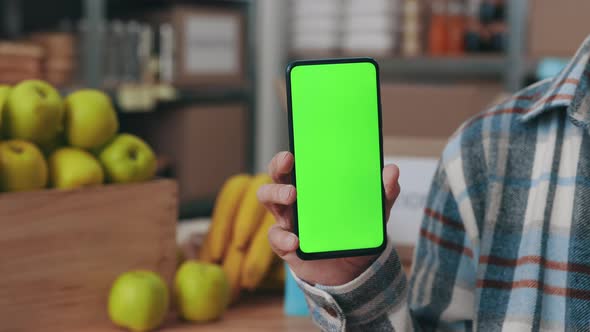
point(505, 238)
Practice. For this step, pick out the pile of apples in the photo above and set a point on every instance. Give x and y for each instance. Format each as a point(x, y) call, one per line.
point(49, 141)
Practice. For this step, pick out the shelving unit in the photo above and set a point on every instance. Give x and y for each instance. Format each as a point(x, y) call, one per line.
point(97, 12)
point(509, 68)
point(479, 67)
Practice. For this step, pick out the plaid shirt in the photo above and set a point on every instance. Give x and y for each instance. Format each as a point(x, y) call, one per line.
point(505, 239)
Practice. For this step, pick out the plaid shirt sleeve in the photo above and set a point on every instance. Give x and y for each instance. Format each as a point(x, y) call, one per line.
point(438, 297)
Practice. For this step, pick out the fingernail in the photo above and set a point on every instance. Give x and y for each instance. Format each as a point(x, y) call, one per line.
point(291, 240)
point(285, 193)
point(285, 154)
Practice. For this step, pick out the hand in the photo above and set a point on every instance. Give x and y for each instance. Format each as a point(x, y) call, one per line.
point(279, 198)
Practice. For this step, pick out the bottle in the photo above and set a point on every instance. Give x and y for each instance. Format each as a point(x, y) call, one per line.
point(472, 27)
point(487, 11)
point(438, 32)
point(411, 28)
point(498, 38)
point(498, 28)
point(456, 28)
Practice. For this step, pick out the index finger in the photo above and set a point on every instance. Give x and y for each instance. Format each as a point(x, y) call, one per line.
point(280, 167)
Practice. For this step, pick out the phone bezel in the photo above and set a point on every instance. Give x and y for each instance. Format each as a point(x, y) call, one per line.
point(339, 253)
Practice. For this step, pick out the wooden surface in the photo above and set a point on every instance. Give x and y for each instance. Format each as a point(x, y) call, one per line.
point(60, 251)
point(255, 313)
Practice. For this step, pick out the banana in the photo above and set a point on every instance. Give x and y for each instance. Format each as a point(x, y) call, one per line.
point(249, 214)
point(259, 256)
point(204, 253)
point(232, 266)
point(224, 213)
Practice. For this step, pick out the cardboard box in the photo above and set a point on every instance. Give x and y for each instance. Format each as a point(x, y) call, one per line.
point(209, 44)
point(557, 28)
point(417, 121)
point(433, 111)
point(206, 144)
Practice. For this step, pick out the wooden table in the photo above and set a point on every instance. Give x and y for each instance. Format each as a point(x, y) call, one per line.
point(255, 313)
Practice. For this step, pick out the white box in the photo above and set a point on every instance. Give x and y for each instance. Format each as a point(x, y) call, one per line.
point(357, 7)
point(315, 42)
point(316, 7)
point(367, 41)
point(316, 24)
point(416, 175)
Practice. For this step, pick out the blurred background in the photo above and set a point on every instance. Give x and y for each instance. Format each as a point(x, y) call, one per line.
point(203, 81)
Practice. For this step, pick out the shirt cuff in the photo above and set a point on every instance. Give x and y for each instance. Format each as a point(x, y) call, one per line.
point(369, 296)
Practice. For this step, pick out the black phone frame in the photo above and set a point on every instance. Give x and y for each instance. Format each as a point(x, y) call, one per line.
point(338, 253)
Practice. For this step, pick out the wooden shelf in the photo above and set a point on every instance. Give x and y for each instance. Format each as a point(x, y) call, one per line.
point(185, 96)
point(424, 67)
point(476, 67)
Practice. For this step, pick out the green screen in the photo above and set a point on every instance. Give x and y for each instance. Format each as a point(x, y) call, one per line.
point(335, 119)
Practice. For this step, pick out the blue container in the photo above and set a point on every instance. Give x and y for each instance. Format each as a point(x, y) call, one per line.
point(550, 67)
point(295, 304)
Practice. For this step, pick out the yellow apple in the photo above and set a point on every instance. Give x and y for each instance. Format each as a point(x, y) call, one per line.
point(138, 300)
point(22, 166)
point(4, 91)
point(74, 168)
point(202, 291)
point(90, 119)
point(34, 112)
point(127, 158)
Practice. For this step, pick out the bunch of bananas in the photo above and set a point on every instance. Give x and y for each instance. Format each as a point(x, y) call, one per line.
point(237, 237)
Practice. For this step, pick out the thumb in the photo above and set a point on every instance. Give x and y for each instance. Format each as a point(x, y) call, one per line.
point(284, 244)
point(391, 185)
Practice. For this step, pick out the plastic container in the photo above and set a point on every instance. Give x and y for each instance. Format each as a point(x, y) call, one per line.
point(438, 33)
point(456, 28)
point(295, 304)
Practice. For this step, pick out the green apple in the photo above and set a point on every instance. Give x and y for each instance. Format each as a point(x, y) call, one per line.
point(22, 166)
point(202, 291)
point(138, 300)
point(127, 158)
point(4, 92)
point(90, 119)
point(74, 168)
point(34, 112)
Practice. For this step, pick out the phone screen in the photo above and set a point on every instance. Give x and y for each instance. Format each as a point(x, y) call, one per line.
point(335, 129)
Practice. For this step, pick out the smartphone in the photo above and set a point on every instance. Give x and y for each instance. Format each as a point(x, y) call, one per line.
point(335, 135)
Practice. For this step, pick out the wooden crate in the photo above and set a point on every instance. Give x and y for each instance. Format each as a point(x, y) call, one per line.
point(60, 251)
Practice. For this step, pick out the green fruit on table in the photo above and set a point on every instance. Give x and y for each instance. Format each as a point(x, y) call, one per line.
point(34, 112)
point(90, 119)
point(74, 168)
point(4, 92)
point(138, 301)
point(22, 166)
point(202, 291)
point(127, 158)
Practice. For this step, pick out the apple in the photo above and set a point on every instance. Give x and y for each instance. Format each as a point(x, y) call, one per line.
point(4, 92)
point(127, 158)
point(90, 119)
point(202, 291)
point(22, 166)
point(138, 300)
point(34, 112)
point(74, 168)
